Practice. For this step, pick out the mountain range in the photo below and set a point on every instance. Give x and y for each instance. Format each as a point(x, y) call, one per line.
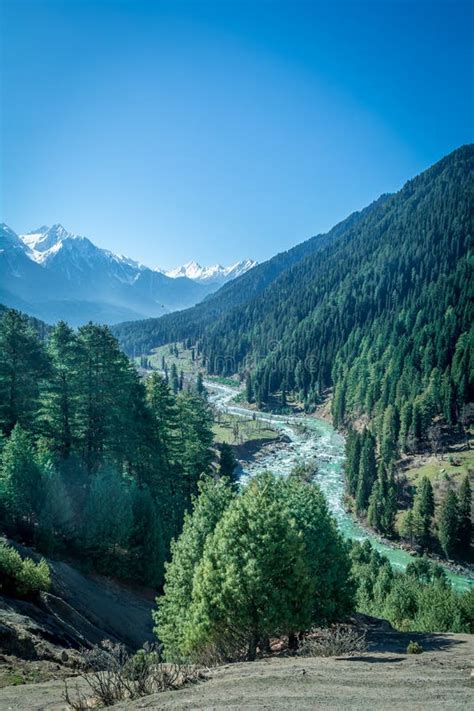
point(53, 274)
point(215, 274)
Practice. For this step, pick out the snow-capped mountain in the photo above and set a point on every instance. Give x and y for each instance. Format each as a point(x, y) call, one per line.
point(215, 274)
point(54, 274)
point(76, 256)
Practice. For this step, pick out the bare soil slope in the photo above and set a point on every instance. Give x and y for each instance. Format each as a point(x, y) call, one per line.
point(40, 639)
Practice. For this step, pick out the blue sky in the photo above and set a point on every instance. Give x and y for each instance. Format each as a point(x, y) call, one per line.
point(171, 131)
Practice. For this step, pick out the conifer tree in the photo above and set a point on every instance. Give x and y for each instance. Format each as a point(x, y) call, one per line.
point(200, 389)
point(407, 529)
point(423, 511)
point(367, 472)
point(107, 519)
point(23, 367)
point(327, 557)
point(56, 515)
point(60, 397)
point(448, 523)
point(172, 615)
point(464, 513)
point(253, 580)
point(227, 462)
point(146, 540)
point(174, 380)
point(248, 388)
point(388, 447)
point(21, 483)
point(353, 449)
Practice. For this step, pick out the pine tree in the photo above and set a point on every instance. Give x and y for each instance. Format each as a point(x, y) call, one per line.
point(227, 463)
point(200, 389)
point(23, 367)
point(353, 450)
point(375, 510)
point(407, 529)
point(21, 483)
point(110, 396)
point(56, 516)
point(327, 558)
point(367, 472)
point(448, 523)
point(388, 447)
point(174, 380)
point(107, 519)
point(253, 580)
point(464, 514)
point(423, 511)
point(248, 388)
point(172, 615)
point(146, 540)
point(60, 397)
point(195, 438)
point(390, 506)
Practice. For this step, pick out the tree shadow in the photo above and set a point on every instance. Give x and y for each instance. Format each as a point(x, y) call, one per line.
point(372, 660)
point(397, 642)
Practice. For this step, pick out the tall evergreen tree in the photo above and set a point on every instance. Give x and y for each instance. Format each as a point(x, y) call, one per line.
point(108, 520)
point(423, 511)
point(174, 380)
point(448, 523)
point(464, 513)
point(146, 540)
point(60, 396)
point(227, 462)
point(21, 483)
point(23, 366)
point(173, 613)
point(249, 388)
point(367, 472)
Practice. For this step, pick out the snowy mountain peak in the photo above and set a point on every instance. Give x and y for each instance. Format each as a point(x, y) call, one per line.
point(44, 238)
point(215, 273)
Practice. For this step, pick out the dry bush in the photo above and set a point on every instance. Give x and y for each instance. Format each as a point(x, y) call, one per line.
point(333, 642)
point(112, 675)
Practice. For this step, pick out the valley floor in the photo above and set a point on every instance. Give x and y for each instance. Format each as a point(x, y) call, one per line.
point(383, 678)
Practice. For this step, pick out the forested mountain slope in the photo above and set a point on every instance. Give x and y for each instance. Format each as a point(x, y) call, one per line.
point(138, 337)
point(383, 312)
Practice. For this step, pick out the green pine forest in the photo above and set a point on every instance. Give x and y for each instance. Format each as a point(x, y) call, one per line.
point(115, 468)
point(95, 462)
point(380, 317)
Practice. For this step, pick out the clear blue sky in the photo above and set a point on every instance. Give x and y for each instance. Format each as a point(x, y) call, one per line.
point(177, 130)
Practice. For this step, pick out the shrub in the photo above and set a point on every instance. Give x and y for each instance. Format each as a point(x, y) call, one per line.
point(414, 648)
point(20, 576)
point(113, 675)
point(333, 642)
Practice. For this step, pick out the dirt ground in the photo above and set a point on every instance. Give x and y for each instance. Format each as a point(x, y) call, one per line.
point(440, 678)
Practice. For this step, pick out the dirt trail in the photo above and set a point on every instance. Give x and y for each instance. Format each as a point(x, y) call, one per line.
point(440, 678)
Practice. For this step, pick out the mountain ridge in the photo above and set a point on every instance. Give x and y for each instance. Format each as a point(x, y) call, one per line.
point(215, 273)
point(52, 274)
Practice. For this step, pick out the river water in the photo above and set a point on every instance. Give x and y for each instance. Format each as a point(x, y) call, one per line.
point(313, 440)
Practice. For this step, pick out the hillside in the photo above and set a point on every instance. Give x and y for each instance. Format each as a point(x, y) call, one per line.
point(140, 337)
point(379, 311)
point(384, 678)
